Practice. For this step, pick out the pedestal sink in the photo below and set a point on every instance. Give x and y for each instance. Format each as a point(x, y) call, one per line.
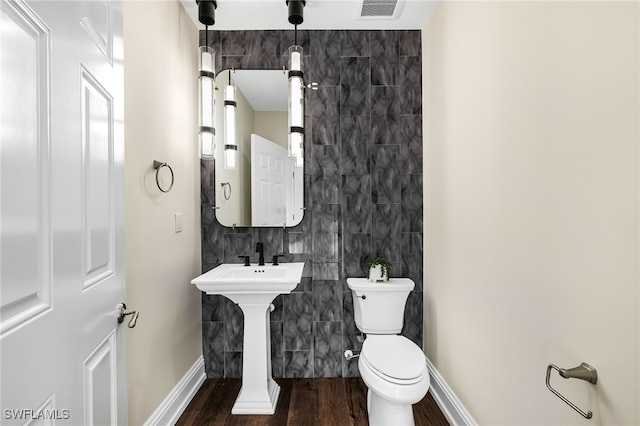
point(253, 288)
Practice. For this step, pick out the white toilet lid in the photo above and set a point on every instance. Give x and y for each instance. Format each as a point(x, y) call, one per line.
point(394, 356)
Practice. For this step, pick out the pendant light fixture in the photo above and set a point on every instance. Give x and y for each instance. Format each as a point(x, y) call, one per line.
point(296, 86)
point(230, 143)
point(206, 84)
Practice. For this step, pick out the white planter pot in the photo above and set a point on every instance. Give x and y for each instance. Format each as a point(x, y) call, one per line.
point(375, 274)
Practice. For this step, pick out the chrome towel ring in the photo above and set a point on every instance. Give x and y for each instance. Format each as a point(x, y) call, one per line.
point(226, 186)
point(158, 165)
point(583, 372)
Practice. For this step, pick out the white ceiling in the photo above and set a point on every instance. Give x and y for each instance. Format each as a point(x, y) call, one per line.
point(318, 15)
point(265, 90)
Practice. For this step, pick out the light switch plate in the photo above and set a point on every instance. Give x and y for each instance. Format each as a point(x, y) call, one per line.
point(178, 222)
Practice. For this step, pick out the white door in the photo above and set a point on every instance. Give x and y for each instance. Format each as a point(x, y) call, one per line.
point(268, 182)
point(61, 212)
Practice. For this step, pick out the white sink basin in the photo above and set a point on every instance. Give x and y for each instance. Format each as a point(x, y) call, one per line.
point(232, 279)
point(253, 288)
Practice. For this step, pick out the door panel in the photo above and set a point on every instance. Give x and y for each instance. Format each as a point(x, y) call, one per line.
point(48, 406)
point(268, 161)
point(100, 384)
point(24, 165)
point(62, 214)
point(97, 169)
point(97, 22)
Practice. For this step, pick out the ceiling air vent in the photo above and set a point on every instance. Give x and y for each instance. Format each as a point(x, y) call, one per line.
point(378, 7)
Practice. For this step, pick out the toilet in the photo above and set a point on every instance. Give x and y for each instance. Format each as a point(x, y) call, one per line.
point(392, 366)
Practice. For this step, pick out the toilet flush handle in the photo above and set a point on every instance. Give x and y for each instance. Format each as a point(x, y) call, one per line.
point(349, 355)
point(363, 297)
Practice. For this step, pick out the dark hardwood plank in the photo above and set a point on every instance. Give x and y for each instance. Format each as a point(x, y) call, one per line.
point(332, 395)
point(304, 403)
point(312, 402)
point(427, 412)
point(222, 396)
point(197, 405)
point(357, 400)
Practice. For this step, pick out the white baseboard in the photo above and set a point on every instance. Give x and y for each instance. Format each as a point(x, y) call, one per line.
point(170, 410)
point(447, 400)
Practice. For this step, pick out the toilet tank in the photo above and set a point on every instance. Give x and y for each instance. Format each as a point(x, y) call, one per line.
point(378, 307)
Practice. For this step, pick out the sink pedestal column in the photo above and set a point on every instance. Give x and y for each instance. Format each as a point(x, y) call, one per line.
point(253, 288)
point(259, 392)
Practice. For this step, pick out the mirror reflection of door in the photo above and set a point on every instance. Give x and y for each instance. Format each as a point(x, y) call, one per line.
point(269, 169)
point(270, 192)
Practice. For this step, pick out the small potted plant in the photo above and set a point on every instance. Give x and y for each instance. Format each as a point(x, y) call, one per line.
point(378, 269)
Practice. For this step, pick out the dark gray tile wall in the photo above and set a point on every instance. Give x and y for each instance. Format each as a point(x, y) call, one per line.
point(363, 192)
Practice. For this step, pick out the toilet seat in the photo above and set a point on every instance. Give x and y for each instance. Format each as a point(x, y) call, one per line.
point(394, 358)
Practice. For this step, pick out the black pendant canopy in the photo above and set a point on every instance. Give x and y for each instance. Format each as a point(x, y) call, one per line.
point(296, 11)
point(207, 11)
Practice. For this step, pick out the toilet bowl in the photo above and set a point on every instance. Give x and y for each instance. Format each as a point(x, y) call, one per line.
point(395, 372)
point(392, 366)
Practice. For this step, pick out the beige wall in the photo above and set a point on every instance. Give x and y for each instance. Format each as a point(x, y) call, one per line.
point(531, 206)
point(273, 125)
point(160, 43)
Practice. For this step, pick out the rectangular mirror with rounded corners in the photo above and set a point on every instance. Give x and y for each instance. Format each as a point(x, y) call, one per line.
point(257, 183)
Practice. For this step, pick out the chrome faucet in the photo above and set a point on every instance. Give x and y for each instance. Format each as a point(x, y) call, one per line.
point(260, 251)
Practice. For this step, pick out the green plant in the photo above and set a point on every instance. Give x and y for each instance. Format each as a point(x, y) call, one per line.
point(384, 263)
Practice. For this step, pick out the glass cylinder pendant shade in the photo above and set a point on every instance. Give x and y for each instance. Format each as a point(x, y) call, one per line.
point(206, 87)
point(296, 104)
point(230, 143)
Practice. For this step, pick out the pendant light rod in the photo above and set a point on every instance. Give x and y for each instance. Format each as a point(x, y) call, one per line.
point(296, 16)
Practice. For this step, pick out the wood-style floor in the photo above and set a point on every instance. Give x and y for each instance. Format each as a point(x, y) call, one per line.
point(302, 402)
